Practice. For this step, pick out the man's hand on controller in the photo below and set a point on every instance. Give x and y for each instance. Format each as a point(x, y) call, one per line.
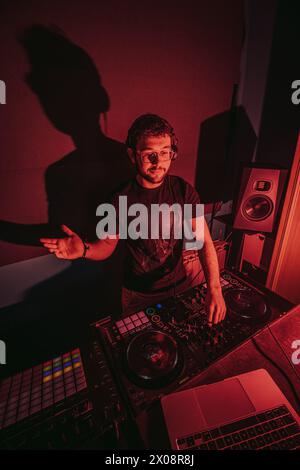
point(215, 305)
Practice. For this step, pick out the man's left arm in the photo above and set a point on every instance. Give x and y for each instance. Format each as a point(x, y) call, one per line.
point(215, 305)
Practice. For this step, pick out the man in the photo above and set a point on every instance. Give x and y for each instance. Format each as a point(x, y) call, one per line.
point(158, 267)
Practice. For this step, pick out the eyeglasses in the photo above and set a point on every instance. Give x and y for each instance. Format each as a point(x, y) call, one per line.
point(152, 157)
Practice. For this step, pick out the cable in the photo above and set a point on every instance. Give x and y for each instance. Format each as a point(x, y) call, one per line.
point(172, 248)
point(116, 428)
point(174, 283)
point(228, 236)
point(297, 399)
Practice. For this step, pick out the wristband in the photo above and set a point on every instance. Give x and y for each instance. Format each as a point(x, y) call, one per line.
point(85, 249)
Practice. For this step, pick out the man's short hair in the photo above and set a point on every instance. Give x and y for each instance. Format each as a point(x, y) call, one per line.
point(150, 125)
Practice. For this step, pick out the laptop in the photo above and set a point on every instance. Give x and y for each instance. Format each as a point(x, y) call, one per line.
point(247, 411)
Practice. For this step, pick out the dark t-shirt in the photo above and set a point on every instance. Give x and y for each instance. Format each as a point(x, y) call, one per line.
point(154, 264)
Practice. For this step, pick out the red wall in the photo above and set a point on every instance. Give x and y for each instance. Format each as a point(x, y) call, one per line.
point(177, 60)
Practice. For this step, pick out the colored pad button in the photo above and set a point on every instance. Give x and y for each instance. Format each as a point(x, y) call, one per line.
point(76, 365)
point(75, 351)
point(67, 363)
point(47, 379)
point(57, 374)
point(47, 372)
point(76, 359)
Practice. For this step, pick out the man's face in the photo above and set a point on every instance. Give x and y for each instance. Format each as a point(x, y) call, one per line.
point(157, 149)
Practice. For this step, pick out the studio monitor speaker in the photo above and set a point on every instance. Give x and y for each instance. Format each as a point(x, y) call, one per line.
point(259, 198)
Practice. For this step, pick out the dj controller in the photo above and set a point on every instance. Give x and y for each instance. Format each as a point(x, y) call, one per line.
point(90, 397)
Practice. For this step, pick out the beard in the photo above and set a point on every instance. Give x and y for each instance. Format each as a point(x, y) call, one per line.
point(155, 174)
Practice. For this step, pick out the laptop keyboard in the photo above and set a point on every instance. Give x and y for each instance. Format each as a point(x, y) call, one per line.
point(274, 429)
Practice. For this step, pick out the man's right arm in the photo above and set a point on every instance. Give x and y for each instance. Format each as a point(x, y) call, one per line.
point(73, 247)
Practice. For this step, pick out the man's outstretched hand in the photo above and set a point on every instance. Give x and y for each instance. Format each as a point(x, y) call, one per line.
point(70, 247)
point(215, 305)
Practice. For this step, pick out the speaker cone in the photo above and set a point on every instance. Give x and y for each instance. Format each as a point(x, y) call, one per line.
point(257, 208)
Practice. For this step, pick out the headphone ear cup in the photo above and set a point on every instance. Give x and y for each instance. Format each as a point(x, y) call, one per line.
point(174, 143)
point(175, 150)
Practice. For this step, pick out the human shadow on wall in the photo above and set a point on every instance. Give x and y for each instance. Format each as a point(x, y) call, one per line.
point(227, 142)
point(69, 89)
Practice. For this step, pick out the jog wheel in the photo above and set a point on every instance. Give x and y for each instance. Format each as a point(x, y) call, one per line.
point(246, 305)
point(153, 359)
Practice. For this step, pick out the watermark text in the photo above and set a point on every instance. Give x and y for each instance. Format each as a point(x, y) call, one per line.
point(296, 353)
point(2, 352)
point(2, 92)
point(296, 94)
point(138, 221)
